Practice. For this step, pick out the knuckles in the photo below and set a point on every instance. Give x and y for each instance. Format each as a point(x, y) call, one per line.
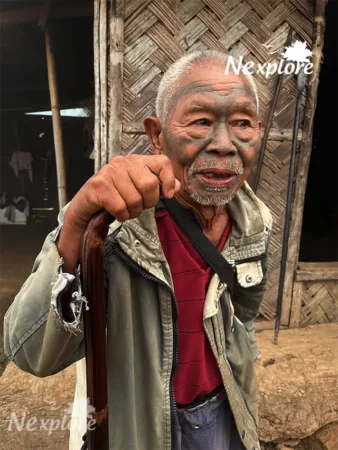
point(97, 186)
point(135, 203)
point(116, 160)
point(165, 160)
point(137, 161)
point(95, 182)
point(150, 184)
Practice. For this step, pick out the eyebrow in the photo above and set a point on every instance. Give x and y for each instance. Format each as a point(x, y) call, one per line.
point(246, 107)
point(241, 106)
point(195, 107)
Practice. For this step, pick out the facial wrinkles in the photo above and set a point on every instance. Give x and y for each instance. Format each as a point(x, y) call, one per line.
point(178, 138)
point(192, 152)
point(222, 88)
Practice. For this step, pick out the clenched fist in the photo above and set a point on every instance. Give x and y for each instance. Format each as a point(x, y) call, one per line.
point(124, 187)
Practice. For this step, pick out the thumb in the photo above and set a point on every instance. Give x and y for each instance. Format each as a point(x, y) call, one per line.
point(173, 191)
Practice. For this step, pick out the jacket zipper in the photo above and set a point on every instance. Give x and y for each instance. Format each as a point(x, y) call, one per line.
point(133, 265)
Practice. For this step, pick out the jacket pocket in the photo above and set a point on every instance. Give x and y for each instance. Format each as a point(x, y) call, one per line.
point(248, 337)
point(249, 274)
point(251, 335)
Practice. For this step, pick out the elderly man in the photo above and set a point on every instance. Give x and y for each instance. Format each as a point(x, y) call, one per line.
point(181, 350)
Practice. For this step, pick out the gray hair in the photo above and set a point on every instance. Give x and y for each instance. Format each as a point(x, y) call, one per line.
point(171, 77)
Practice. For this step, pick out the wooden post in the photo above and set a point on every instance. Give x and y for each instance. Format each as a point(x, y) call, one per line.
point(103, 36)
point(296, 304)
point(116, 37)
point(108, 74)
point(97, 134)
point(57, 126)
point(304, 160)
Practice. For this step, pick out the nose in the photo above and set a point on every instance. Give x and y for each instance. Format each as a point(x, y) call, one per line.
point(221, 142)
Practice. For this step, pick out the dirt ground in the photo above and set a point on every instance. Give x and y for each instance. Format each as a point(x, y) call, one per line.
point(309, 443)
point(19, 246)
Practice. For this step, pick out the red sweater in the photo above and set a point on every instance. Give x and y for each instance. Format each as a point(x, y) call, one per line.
point(197, 371)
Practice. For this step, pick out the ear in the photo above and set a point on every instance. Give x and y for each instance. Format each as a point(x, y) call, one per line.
point(153, 128)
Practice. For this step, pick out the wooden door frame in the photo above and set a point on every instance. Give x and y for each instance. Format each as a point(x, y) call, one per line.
point(304, 161)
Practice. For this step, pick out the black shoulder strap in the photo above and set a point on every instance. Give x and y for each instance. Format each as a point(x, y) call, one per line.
point(201, 243)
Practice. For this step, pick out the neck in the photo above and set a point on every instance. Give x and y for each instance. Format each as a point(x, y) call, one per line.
point(213, 219)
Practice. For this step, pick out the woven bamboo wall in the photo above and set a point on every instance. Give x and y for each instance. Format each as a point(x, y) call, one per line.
point(157, 32)
point(315, 294)
point(319, 302)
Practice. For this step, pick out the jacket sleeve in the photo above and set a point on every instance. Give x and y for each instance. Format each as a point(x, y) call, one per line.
point(43, 328)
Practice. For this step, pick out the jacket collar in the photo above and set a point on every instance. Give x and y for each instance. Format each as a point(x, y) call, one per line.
point(252, 224)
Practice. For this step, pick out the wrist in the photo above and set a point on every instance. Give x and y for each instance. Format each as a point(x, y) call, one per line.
point(73, 222)
point(69, 242)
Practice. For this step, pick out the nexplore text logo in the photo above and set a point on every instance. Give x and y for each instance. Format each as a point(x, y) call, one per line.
point(75, 415)
point(295, 58)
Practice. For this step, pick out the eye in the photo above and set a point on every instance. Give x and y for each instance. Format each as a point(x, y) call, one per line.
point(202, 122)
point(242, 123)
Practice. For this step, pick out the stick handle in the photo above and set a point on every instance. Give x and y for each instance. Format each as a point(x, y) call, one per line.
point(92, 275)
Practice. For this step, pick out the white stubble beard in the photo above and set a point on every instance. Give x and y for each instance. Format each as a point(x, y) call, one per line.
point(213, 200)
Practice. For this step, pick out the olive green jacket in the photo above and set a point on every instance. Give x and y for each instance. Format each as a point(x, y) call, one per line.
point(142, 324)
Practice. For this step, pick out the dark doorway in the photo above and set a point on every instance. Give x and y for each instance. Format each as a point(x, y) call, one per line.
point(24, 89)
point(319, 234)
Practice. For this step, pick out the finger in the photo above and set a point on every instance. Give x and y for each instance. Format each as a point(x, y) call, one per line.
point(176, 189)
point(177, 185)
point(147, 184)
point(129, 193)
point(162, 167)
point(115, 205)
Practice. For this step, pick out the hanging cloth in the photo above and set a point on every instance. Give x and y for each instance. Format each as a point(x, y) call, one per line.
point(22, 161)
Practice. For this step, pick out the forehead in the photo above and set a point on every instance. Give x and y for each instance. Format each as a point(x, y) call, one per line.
point(208, 79)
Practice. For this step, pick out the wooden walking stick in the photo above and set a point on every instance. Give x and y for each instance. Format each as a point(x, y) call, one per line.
point(92, 277)
point(301, 81)
point(268, 125)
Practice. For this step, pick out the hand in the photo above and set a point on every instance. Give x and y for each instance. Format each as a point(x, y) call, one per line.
point(124, 187)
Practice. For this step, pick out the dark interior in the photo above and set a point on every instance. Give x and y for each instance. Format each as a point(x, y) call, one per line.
point(319, 233)
point(24, 88)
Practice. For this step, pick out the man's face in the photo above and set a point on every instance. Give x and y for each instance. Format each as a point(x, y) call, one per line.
point(211, 134)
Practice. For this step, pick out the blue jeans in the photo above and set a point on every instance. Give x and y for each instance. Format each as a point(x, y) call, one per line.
point(209, 426)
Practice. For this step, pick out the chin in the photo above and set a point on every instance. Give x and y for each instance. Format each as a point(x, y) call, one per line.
point(211, 199)
point(208, 196)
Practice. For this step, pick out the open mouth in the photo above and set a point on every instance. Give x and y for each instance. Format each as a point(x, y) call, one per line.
point(218, 178)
